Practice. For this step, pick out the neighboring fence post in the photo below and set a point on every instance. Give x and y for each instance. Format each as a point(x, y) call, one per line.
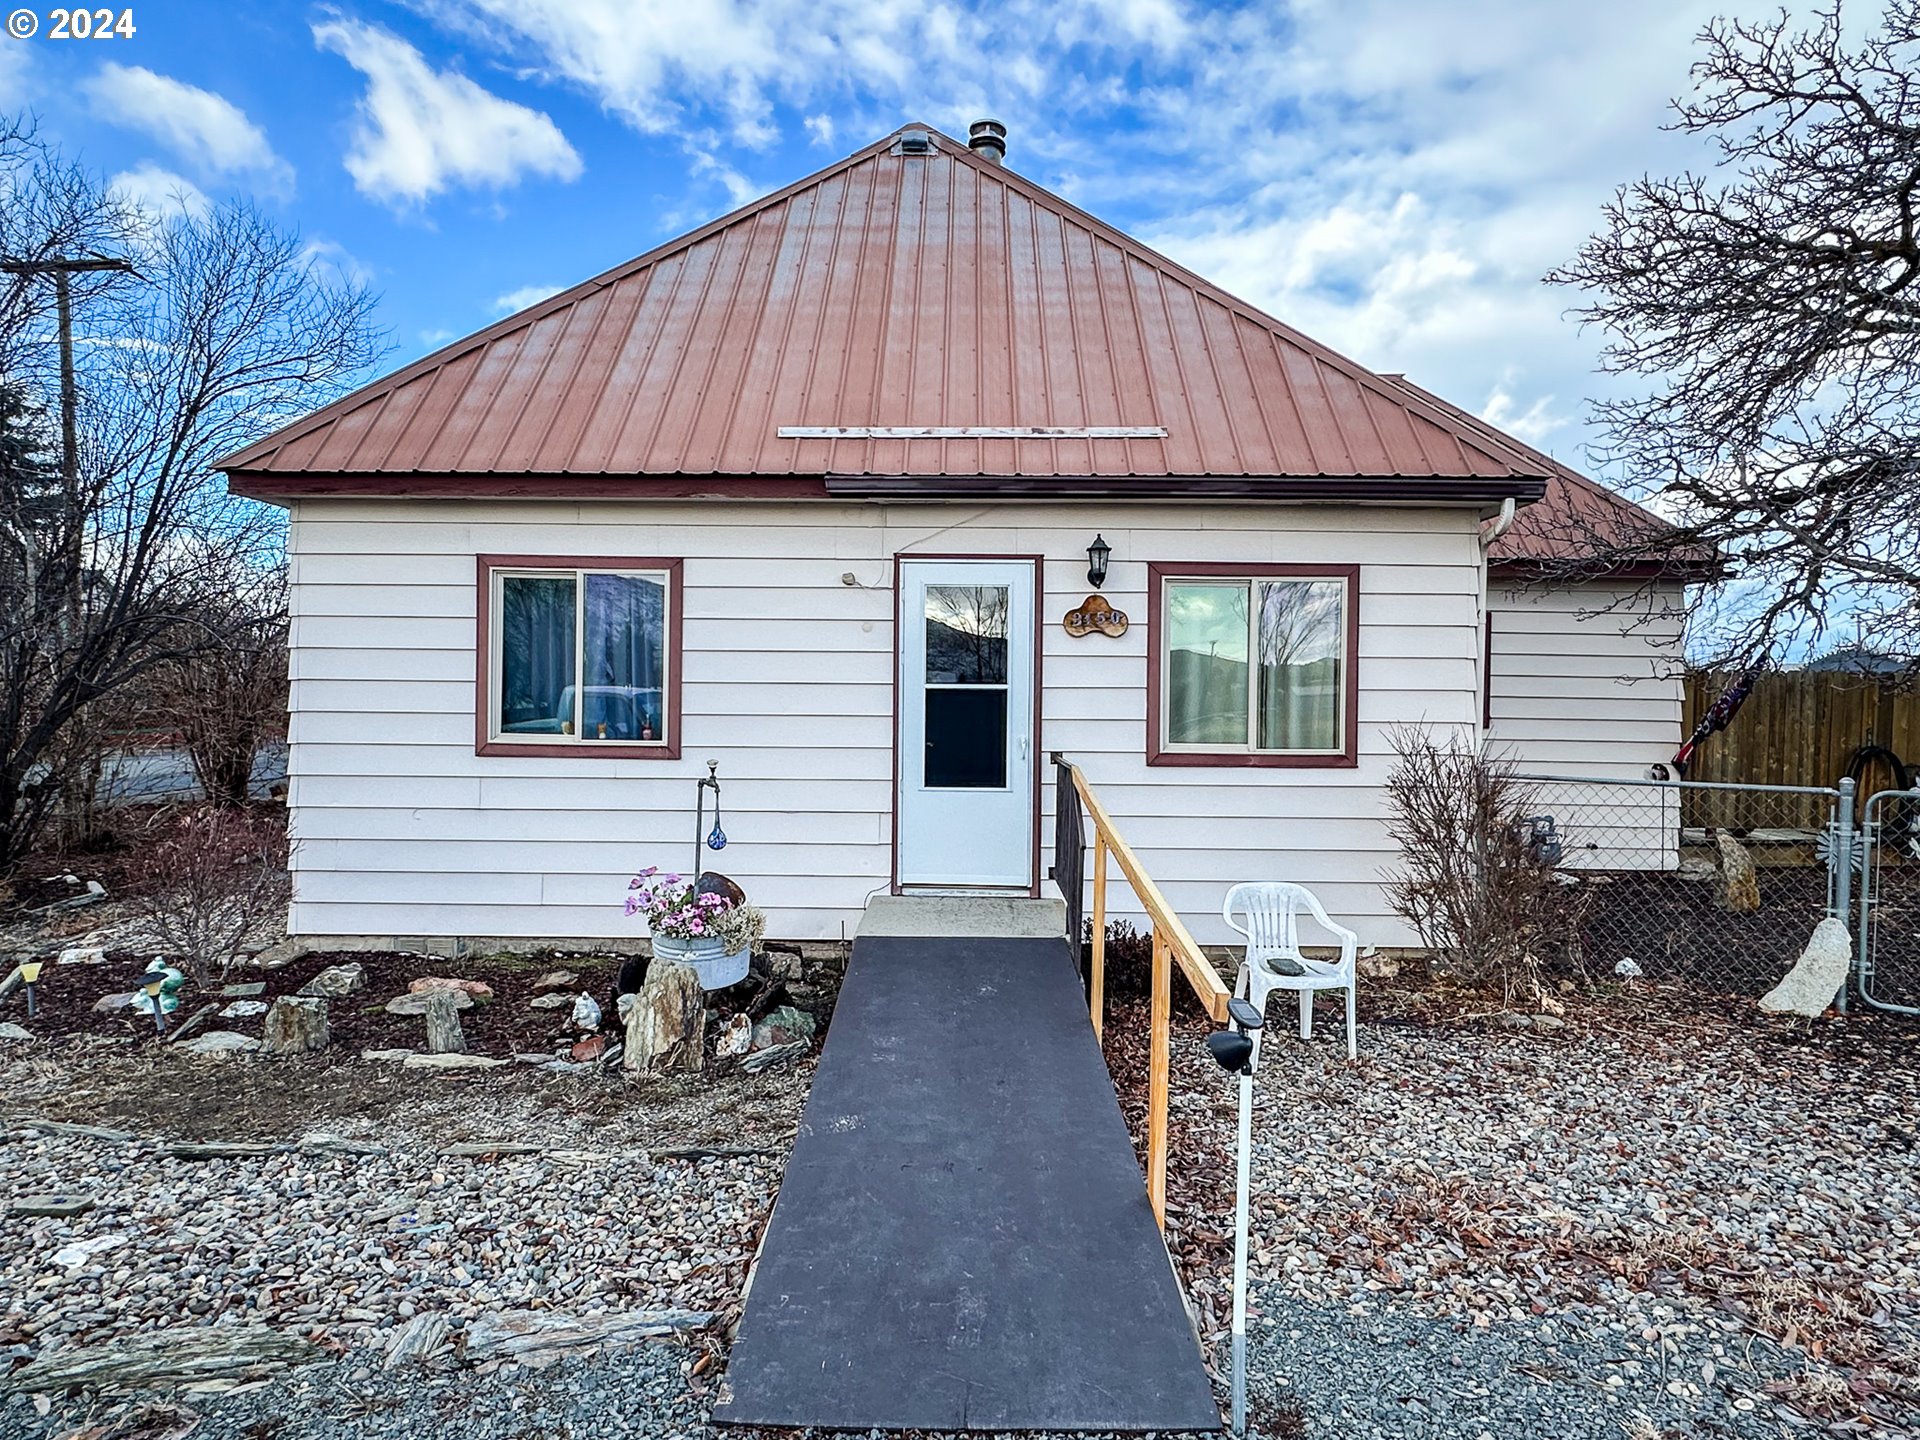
point(1097, 966)
point(1159, 1058)
point(1840, 854)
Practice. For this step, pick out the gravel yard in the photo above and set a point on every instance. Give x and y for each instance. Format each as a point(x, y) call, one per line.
point(1655, 1222)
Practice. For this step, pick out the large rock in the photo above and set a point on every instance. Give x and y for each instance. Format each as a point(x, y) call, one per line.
point(536, 1338)
point(295, 1025)
point(666, 1023)
point(220, 1042)
point(1816, 977)
point(336, 982)
point(11, 1031)
point(184, 1355)
point(478, 989)
point(1742, 882)
point(444, 1036)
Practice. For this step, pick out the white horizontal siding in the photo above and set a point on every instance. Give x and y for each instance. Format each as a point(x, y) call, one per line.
point(788, 682)
point(1586, 680)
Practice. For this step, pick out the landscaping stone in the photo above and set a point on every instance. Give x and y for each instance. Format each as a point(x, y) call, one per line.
point(176, 1356)
point(414, 1002)
point(444, 1036)
point(452, 1062)
point(119, 1000)
point(82, 955)
point(784, 965)
point(11, 1031)
point(555, 980)
point(783, 1026)
point(537, 1337)
point(592, 1048)
point(478, 989)
point(244, 990)
point(1816, 977)
point(736, 1037)
point(295, 1025)
point(336, 982)
point(1742, 881)
point(241, 1009)
point(774, 1056)
point(665, 1024)
point(1548, 1022)
point(220, 1042)
point(388, 1054)
point(60, 1207)
point(420, 1339)
point(552, 1000)
point(1374, 966)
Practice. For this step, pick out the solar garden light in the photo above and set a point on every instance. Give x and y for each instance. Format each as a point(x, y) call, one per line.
point(152, 983)
point(1233, 1050)
point(29, 977)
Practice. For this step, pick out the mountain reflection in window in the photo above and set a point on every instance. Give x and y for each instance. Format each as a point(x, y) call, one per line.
point(1256, 664)
point(966, 689)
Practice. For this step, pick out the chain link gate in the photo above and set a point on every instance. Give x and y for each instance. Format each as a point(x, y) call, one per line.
point(1887, 960)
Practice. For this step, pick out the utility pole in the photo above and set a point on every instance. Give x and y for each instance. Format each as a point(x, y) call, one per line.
point(62, 270)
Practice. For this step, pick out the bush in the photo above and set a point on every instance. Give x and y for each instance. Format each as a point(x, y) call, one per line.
point(1473, 881)
point(1128, 961)
point(220, 878)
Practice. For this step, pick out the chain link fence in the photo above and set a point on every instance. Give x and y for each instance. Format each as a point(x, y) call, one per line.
point(1888, 967)
point(1714, 885)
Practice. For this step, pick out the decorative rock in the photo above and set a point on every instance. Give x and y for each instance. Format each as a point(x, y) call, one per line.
point(184, 1355)
point(295, 1025)
point(60, 1207)
point(415, 1002)
point(420, 1339)
point(586, 1012)
point(452, 1062)
point(552, 1000)
point(665, 1025)
point(1375, 966)
point(782, 965)
point(783, 1026)
point(82, 955)
point(736, 1037)
point(336, 982)
point(220, 1042)
point(555, 980)
point(478, 989)
point(539, 1337)
point(1513, 1020)
point(241, 1009)
point(589, 1049)
point(11, 1031)
point(119, 1000)
point(443, 1024)
point(1548, 1022)
point(1742, 893)
point(1816, 977)
point(245, 990)
point(773, 1057)
point(387, 1054)
point(1696, 868)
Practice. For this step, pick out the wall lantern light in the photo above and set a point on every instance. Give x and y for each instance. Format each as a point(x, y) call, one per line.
point(1097, 554)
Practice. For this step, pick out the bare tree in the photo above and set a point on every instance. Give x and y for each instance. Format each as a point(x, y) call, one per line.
point(1773, 309)
point(227, 328)
point(219, 886)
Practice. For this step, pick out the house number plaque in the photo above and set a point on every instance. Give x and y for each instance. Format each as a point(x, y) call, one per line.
point(1094, 613)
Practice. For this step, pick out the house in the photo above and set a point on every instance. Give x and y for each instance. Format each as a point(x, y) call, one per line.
point(814, 493)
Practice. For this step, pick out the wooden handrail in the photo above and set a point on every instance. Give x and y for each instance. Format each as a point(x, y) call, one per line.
point(1171, 945)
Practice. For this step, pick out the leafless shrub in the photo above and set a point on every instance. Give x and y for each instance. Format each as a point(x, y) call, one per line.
point(220, 880)
point(1473, 882)
point(231, 698)
point(1128, 962)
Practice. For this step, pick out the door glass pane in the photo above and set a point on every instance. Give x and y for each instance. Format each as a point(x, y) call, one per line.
point(966, 739)
point(1302, 633)
point(625, 658)
point(536, 655)
point(1206, 669)
point(966, 634)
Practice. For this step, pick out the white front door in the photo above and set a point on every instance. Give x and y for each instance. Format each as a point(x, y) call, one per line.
point(966, 763)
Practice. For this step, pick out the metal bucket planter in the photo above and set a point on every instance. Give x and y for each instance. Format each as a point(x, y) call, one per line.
point(706, 958)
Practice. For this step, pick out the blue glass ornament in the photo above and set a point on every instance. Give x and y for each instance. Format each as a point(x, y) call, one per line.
point(716, 838)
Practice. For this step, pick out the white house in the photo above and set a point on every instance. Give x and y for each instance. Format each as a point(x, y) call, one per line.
point(810, 493)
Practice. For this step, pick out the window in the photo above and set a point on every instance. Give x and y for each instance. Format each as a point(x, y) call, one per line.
point(1252, 665)
point(966, 688)
point(579, 656)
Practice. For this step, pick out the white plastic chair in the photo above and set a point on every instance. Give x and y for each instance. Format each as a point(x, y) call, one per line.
point(1272, 927)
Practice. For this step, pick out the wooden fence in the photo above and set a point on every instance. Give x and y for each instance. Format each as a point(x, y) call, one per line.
point(1800, 727)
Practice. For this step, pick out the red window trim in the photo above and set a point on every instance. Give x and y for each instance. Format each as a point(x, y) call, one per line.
point(483, 741)
point(1347, 758)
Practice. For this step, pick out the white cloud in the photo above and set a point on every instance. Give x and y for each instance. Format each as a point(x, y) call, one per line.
point(422, 131)
point(517, 300)
point(208, 131)
point(160, 194)
point(1535, 424)
point(819, 129)
point(332, 259)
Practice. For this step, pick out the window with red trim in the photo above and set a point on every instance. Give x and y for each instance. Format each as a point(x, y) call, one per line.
point(1252, 665)
point(578, 655)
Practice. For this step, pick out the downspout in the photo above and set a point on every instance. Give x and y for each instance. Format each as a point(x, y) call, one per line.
point(1502, 523)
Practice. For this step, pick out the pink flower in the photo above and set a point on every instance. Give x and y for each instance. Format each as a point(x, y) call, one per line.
point(645, 897)
point(633, 906)
point(697, 925)
point(667, 879)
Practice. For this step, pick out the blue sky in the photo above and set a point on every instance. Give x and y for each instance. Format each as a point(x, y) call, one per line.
point(1392, 176)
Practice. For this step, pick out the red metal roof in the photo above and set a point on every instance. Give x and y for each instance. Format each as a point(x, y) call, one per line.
point(889, 290)
point(1578, 519)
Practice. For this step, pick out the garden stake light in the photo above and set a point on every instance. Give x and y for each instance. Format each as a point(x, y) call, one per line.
point(1233, 1051)
point(29, 977)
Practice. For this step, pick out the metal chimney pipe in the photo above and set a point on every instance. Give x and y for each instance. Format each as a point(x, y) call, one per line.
point(988, 140)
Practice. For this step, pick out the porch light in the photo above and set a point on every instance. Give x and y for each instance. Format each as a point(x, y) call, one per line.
point(1097, 554)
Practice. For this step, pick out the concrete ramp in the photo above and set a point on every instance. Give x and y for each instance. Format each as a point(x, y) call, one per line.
point(962, 1239)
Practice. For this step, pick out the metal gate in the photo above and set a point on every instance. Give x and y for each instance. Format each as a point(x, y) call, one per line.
point(1887, 969)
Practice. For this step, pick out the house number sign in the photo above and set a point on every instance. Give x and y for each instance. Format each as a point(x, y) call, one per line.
point(1094, 613)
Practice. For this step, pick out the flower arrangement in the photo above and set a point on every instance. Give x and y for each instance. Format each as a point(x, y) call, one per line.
point(674, 908)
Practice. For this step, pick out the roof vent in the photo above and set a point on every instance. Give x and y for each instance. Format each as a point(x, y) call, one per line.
point(915, 142)
point(988, 140)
